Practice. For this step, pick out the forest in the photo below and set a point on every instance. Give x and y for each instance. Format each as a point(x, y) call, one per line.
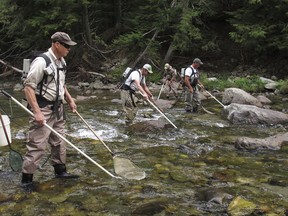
point(244, 35)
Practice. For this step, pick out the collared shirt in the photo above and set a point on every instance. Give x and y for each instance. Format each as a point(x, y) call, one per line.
point(195, 72)
point(38, 69)
point(135, 75)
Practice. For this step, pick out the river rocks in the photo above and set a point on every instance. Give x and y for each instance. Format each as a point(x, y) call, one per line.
point(272, 142)
point(165, 104)
point(149, 126)
point(83, 84)
point(266, 80)
point(18, 87)
point(150, 208)
point(248, 114)
point(240, 207)
point(83, 98)
point(216, 196)
point(235, 95)
point(263, 99)
point(271, 86)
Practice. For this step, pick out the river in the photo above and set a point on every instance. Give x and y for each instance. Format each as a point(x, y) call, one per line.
point(183, 166)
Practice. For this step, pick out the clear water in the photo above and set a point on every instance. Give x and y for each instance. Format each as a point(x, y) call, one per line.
point(181, 165)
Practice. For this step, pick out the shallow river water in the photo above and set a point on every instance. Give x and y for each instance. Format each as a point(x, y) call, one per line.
point(185, 167)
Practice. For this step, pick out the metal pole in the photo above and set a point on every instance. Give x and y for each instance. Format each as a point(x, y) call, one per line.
point(62, 137)
point(159, 111)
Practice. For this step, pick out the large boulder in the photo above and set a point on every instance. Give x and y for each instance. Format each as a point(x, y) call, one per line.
point(236, 95)
point(248, 114)
point(165, 104)
point(272, 142)
point(150, 126)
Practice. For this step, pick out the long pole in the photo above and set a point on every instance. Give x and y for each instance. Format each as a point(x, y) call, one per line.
point(215, 98)
point(159, 111)
point(86, 123)
point(161, 90)
point(59, 135)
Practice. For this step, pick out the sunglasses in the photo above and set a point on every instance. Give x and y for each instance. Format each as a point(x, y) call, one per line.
point(65, 45)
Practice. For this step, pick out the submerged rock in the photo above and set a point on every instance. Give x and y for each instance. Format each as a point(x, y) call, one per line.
point(239, 206)
point(217, 196)
point(165, 104)
point(149, 126)
point(248, 114)
point(272, 142)
point(151, 208)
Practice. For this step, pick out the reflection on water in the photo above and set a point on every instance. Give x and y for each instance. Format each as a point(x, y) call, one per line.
point(183, 166)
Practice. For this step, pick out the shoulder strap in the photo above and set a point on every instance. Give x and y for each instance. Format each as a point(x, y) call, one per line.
point(128, 74)
point(48, 62)
point(46, 58)
point(193, 71)
point(131, 72)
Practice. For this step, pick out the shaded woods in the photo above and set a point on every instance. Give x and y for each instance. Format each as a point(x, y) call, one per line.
point(114, 34)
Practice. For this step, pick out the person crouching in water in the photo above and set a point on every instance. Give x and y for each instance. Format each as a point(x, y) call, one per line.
point(170, 77)
point(135, 81)
point(192, 96)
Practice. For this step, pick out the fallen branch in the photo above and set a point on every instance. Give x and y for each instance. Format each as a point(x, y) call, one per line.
point(9, 66)
point(97, 74)
point(82, 70)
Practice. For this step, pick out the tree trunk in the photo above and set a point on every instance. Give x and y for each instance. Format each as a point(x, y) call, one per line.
point(118, 13)
point(86, 24)
point(145, 50)
point(168, 54)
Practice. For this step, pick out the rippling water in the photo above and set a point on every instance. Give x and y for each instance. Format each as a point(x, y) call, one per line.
point(183, 166)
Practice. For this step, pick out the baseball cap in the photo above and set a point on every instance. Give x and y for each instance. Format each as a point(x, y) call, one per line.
point(63, 38)
point(197, 60)
point(148, 68)
point(166, 66)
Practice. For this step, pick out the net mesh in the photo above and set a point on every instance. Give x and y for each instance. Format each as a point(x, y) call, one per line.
point(15, 161)
point(125, 168)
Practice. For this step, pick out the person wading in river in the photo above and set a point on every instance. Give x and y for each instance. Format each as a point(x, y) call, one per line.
point(192, 95)
point(170, 77)
point(135, 81)
point(45, 91)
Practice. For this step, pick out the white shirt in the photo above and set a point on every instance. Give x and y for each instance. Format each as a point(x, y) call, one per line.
point(135, 75)
point(189, 71)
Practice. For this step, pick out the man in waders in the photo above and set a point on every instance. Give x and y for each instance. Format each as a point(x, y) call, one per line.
point(191, 80)
point(45, 91)
point(170, 77)
point(135, 81)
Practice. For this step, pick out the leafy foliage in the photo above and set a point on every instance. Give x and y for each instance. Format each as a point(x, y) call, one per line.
point(249, 31)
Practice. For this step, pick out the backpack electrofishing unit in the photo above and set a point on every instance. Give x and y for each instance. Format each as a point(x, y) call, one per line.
point(193, 78)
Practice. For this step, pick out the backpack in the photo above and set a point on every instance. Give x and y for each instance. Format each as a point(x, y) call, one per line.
point(124, 77)
point(194, 80)
point(27, 62)
point(26, 68)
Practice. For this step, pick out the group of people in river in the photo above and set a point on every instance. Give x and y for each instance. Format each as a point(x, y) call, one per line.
point(136, 81)
point(45, 91)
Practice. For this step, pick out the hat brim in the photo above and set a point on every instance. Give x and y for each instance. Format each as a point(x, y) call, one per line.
point(70, 43)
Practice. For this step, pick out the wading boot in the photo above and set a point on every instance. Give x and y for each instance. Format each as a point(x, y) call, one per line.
point(27, 182)
point(27, 178)
point(195, 109)
point(61, 172)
